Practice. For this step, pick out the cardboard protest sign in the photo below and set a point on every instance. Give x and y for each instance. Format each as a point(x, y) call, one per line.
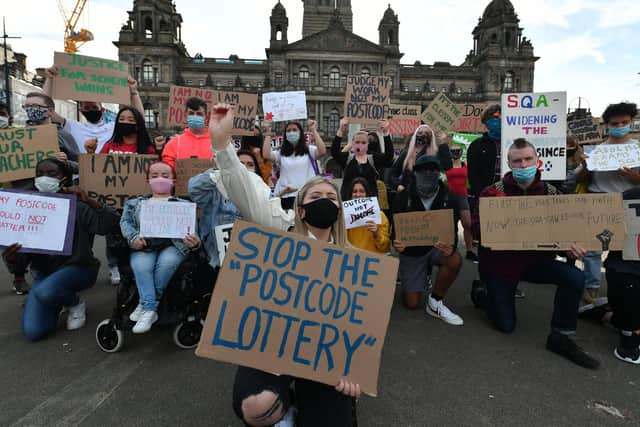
point(223, 239)
point(631, 251)
point(424, 228)
point(284, 106)
point(42, 223)
point(289, 304)
point(541, 119)
point(22, 149)
point(403, 119)
point(585, 130)
point(611, 157)
point(246, 106)
point(470, 119)
point(165, 219)
point(594, 221)
point(357, 212)
point(85, 78)
point(113, 179)
point(187, 168)
point(441, 114)
point(366, 99)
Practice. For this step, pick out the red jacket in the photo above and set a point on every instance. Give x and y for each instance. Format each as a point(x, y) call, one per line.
point(510, 265)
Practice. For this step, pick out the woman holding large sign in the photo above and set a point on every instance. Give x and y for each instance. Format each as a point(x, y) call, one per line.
point(262, 398)
point(59, 278)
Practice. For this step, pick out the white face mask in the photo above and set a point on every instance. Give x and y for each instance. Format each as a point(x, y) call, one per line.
point(47, 184)
point(4, 122)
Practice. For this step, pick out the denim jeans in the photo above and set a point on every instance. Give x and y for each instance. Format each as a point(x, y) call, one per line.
point(592, 269)
point(153, 271)
point(499, 300)
point(49, 294)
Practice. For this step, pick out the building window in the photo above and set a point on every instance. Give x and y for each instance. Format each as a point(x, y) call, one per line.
point(334, 122)
point(334, 77)
point(148, 28)
point(278, 79)
point(147, 72)
point(303, 76)
point(365, 72)
point(508, 82)
point(201, 82)
point(189, 82)
point(149, 116)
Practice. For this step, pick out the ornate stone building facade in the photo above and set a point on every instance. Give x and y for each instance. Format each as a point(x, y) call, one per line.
point(319, 63)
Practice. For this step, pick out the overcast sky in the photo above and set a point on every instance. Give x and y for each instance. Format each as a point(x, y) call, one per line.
point(590, 48)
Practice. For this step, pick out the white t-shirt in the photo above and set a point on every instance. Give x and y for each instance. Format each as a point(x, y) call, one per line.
point(295, 171)
point(83, 131)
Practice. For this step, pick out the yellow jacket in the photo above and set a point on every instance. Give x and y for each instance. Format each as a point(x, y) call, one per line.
point(362, 238)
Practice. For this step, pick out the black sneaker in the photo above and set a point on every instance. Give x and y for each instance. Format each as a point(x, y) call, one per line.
point(21, 286)
point(519, 294)
point(478, 293)
point(565, 347)
point(628, 350)
point(471, 256)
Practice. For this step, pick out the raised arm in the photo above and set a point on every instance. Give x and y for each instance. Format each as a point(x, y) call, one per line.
point(266, 144)
point(322, 148)
point(136, 101)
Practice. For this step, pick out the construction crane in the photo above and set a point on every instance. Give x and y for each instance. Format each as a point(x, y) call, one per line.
point(74, 39)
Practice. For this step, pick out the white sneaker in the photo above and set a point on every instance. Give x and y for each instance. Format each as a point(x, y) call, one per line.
point(135, 314)
point(439, 310)
point(114, 275)
point(77, 316)
point(289, 419)
point(147, 318)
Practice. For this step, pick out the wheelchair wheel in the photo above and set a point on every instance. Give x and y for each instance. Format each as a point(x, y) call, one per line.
point(187, 334)
point(109, 338)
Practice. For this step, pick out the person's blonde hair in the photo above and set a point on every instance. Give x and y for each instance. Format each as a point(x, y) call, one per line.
point(432, 147)
point(338, 229)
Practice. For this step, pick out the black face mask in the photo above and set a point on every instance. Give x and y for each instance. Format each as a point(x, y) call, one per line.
point(321, 213)
point(427, 183)
point(92, 116)
point(127, 129)
point(456, 154)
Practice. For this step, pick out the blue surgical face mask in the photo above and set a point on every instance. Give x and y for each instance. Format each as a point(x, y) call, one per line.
point(494, 126)
point(619, 132)
point(524, 175)
point(195, 122)
point(293, 137)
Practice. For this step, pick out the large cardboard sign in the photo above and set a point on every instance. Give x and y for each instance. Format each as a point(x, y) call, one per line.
point(164, 219)
point(367, 99)
point(594, 221)
point(113, 179)
point(284, 106)
point(22, 149)
point(470, 119)
point(85, 78)
point(289, 304)
point(403, 119)
point(631, 251)
point(188, 168)
point(611, 157)
point(425, 228)
point(43, 223)
point(541, 119)
point(442, 113)
point(246, 106)
point(585, 130)
point(357, 212)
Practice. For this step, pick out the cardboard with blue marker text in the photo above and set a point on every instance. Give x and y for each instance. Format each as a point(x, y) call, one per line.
point(289, 304)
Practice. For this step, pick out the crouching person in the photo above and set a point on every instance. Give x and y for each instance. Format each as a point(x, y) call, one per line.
point(501, 271)
point(59, 278)
point(153, 260)
point(427, 193)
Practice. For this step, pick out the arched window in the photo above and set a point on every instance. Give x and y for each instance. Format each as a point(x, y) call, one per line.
point(507, 39)
point(390, 37)
point(149, 116)
point(278, 32)
point(148, 28)
point(334, 77)
point(508, 82)
point(147, 72)
point(365, 72)
point(334, 122)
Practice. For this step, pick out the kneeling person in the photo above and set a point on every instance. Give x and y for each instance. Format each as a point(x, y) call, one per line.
point(501, 271)
point(425, 194)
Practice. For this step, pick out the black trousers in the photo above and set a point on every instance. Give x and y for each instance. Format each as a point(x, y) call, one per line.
point(624, 297)
point(319, 405)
